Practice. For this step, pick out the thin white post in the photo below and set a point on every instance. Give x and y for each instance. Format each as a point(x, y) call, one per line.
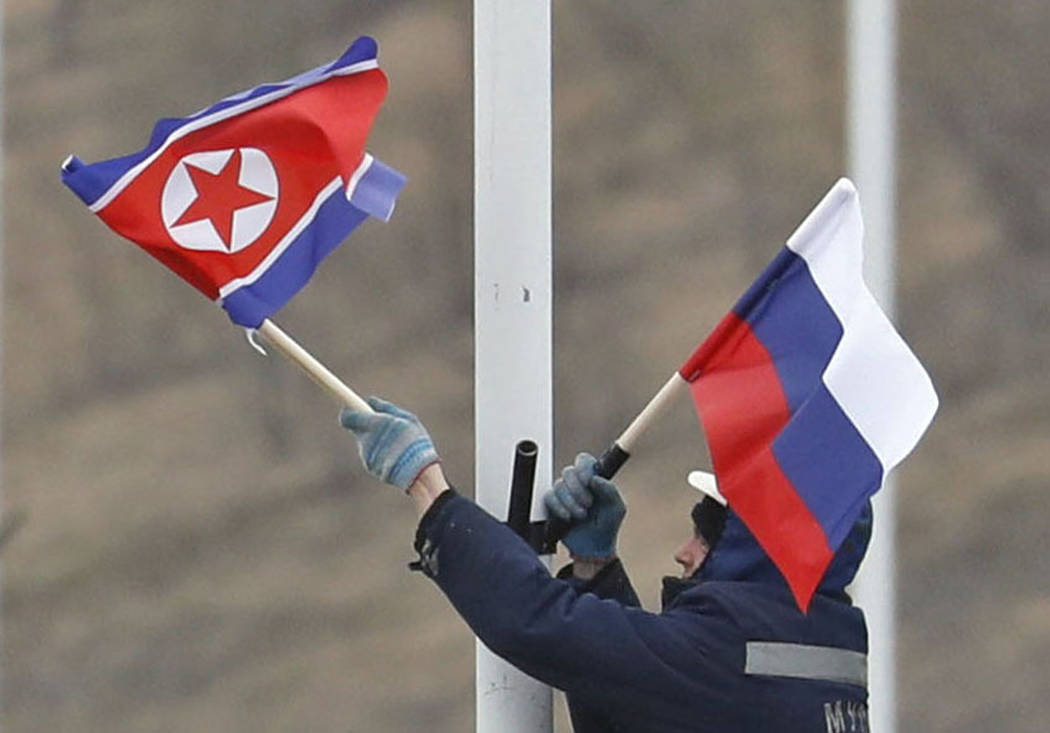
point(512, 296)
point(872, 143)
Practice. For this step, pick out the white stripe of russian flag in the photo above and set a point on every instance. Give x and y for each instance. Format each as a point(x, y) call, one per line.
point(878, 382)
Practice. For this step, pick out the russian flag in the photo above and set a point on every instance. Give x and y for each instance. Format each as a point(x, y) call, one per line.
point(808, 395)
point(244, 199)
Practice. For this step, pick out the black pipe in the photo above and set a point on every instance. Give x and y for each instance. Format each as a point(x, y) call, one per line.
point(524, 475)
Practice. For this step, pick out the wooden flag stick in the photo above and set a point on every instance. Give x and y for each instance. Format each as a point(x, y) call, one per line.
point(656, 407)
point(315, 369)
point(617, 454)
point(674, 386)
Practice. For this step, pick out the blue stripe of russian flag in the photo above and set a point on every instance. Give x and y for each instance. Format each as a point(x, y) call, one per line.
point(819, 450)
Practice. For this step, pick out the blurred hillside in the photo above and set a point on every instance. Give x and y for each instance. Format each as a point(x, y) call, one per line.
point(202, 550)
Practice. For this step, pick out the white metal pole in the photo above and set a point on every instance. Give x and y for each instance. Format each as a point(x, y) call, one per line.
point(872, 144)
point(512, 295)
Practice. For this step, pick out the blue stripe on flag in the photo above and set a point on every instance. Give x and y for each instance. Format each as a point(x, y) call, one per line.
point(90, 182)
point(831, 466)
point(788, 314)
point(249, 305)
point(376, 192)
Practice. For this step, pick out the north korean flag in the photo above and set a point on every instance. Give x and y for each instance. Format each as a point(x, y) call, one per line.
point(245, 198)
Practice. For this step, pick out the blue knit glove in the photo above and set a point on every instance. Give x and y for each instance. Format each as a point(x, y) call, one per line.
point(591, 504)
point(394, 445)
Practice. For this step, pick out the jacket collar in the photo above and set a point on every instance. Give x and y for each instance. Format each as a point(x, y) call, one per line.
point(673, 587)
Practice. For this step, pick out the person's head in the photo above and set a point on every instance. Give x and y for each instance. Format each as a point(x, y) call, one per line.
point(709, 516)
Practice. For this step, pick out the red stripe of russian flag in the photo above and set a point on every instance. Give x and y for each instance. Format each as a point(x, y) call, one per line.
point(743, 408)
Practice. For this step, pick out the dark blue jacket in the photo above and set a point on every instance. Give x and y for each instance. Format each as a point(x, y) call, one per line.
point(730, 651)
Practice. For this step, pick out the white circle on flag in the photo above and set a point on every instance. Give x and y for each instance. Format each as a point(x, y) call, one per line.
point(256, 176)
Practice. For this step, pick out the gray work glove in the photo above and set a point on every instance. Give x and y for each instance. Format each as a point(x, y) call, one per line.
point(394, 445)
point(591, 504)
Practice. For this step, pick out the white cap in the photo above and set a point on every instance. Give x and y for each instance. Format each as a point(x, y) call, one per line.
point(705, 482)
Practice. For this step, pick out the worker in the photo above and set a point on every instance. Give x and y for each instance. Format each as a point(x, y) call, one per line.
point(730, 651)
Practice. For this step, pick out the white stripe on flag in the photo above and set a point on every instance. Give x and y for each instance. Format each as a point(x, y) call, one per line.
point(300, 83)
point(873, 375)
point(880, 384)
point(359, 173)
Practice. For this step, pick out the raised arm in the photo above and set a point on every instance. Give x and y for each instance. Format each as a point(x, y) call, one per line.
point(599, 650)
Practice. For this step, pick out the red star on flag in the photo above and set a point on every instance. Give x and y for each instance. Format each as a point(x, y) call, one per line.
point(219, 196)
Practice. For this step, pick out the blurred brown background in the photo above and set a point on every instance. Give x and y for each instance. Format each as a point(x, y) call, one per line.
point(202, 551)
